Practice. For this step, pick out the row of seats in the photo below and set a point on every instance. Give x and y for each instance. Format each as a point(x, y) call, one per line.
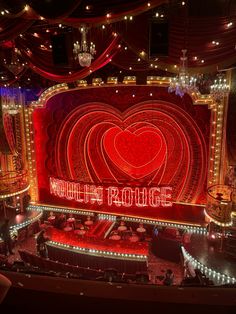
point(109, 274)
point(49, 265)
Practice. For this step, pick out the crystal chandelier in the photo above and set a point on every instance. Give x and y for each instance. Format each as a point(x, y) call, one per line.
point(220, 88)
point(84, 52)
point(13, 110)
point(11, 100)
point(183, 82)
point(15, 66)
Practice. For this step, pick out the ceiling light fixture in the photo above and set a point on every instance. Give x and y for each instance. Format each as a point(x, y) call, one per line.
point(84, 52)
point(182, 83)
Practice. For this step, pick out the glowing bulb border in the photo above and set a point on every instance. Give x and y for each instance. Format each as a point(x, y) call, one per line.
point(207, 270)
point(35, 207)
point(104, 216)
point(100, 253)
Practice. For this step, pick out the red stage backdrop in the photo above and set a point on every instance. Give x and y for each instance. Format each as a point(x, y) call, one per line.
point(125, 135)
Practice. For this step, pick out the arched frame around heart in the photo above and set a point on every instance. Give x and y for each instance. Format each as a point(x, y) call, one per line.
point(101, 135)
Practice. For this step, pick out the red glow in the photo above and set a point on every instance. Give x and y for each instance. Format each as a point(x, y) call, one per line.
point(129, 143)
point(137, 154)
point(69, 238)
point(111, 195)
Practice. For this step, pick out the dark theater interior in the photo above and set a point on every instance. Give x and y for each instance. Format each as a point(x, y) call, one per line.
point(117, 156)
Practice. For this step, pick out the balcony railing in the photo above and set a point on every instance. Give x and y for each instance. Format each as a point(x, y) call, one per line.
point(13, 182)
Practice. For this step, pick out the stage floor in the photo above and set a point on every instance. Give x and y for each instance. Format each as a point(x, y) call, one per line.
point(16, 219)
point(208, 255)
point(121, 246)
point(156, 265)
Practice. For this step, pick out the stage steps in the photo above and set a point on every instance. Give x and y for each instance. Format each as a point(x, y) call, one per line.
point(109, 229)
point(100, 229)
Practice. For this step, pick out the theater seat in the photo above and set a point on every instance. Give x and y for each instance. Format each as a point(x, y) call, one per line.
point(110, 274)
point(141, 277)
point(5, 285)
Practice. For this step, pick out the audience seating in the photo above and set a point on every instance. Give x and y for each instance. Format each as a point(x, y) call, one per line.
point(58, 267)
point(97, 262)
point(47, 265)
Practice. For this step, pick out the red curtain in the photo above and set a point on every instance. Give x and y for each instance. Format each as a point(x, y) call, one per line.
point(49, 72)
point(197, 35)
point(141, 8)
point(12, 28)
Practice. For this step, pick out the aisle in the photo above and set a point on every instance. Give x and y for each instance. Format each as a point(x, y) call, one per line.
point(158, 267)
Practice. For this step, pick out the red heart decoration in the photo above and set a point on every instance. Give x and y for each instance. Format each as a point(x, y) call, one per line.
point(137, 154)
point(156, 144)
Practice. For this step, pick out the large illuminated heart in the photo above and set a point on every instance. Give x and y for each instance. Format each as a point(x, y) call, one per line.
point(136, 153)
point(152, 144)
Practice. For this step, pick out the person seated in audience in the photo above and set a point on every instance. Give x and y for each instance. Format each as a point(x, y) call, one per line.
point(6, 236)
point(199, 279)
point(41, 244)
point(169, 278)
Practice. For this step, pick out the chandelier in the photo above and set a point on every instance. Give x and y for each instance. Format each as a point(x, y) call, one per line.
point(84, 51)
point(220, 88)
point(11, 100)
point(182, 83)
point(15, 66)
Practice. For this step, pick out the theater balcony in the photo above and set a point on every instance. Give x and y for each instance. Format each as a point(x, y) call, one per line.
point(13, 183)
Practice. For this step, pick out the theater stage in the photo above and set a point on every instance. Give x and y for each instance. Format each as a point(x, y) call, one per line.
point(184, 214)
point(213, 261)
point(122, 246)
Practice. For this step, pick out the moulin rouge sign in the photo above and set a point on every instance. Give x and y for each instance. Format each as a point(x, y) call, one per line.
point(112, 195)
